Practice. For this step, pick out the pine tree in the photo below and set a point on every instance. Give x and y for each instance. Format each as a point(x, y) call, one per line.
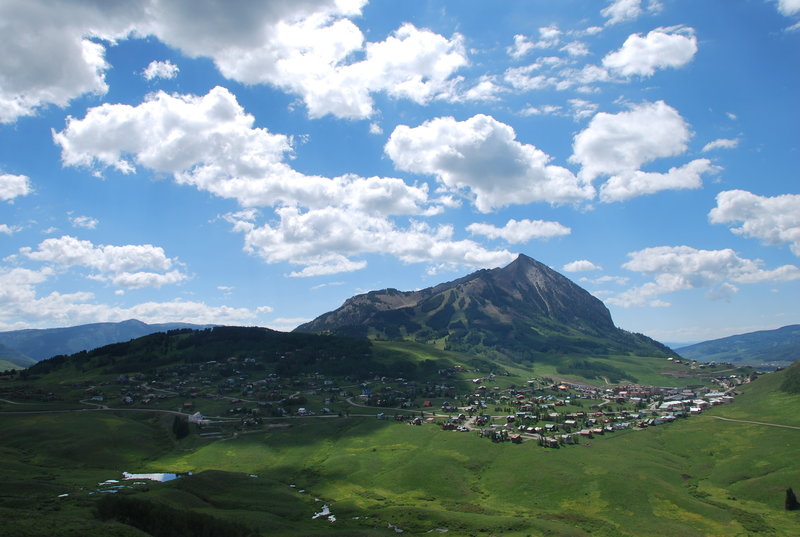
point(180, 428)
point(791, 500)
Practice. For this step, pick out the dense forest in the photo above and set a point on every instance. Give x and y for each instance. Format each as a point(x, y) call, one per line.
point(288, 353)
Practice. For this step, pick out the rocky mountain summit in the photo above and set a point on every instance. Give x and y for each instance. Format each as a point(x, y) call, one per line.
point(524, 310)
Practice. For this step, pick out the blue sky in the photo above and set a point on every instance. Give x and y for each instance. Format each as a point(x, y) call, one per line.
point(258, 163)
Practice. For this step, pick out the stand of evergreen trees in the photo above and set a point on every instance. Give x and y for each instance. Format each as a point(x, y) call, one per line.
point(163, 521)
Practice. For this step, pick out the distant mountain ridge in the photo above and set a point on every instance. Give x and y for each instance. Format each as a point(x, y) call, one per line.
point(525, 310)
point(25, 347)
point(764, 348)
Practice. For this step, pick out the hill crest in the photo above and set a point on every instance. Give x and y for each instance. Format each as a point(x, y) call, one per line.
point(24, 347)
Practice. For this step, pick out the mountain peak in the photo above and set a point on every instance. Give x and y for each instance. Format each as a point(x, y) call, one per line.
point(524, 308)
point(522, 258)
point(132, 322)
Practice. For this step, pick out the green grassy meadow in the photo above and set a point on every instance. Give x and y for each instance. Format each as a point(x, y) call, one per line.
point(639, 369)
point(699, 476)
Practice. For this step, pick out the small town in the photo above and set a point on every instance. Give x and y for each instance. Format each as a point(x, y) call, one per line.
point(222, 399)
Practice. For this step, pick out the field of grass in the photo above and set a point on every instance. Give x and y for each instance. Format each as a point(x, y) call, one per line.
point(667, 481)
point(697, 477)
point(640, 369)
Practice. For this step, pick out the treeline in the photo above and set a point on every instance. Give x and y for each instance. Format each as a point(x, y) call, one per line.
point(160, 520)
point(289, 352)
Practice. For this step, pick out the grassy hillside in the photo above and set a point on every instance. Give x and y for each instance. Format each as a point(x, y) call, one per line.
point(700, 476)
point(6, 365)
point(13, 359)
point(791, 379)
point(578, 368)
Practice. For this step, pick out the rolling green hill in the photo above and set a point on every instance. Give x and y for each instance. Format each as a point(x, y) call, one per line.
point(13, 359)
point(261, 351)
point(791, 379)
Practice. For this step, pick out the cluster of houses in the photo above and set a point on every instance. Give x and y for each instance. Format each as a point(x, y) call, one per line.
point(540, 400)
point(538, 411)
point(550, 412)
point(557, 414)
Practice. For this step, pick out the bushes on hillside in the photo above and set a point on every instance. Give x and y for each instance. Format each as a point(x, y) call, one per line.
point(180, 428)
point(791, 501)
point(163, 521)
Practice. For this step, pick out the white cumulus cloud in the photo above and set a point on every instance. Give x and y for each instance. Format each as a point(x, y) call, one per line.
point(86, 222)
point(659, 49)
point(22, 306)
point(307, 48)
point(128, 266)
point(481, 155)
point(789, 7)
point(581, 265)
point(773, 220)
point(520, 231)
point(55, 51)
point(618, 145)
point(622, 10)
point(638, 183)
point(209, 142)
point(325, 241)
point(14, 186)
point(626, 10)
point(158, 69)
point(549, 36)
point(8, 230)
point(677, 268)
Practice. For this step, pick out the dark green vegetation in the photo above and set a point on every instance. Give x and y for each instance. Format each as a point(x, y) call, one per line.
point(288, 354)
point(525, 312)
point(791, 503)
point(25, 347)
point(160, 520)
point(764, 349)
